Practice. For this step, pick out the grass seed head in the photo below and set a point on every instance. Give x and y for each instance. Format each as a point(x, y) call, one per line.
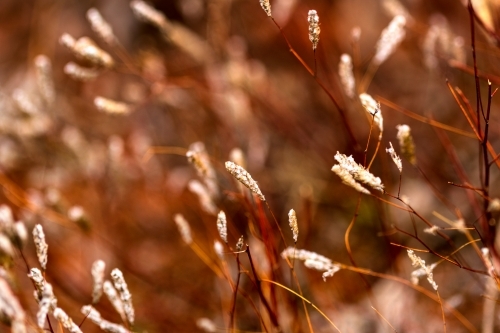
point(66, 321)
point(100, 26)
point(395, 158)
point(110, 106)
point(390, 38)
point(125, 296)
point(292, 220)
point(184, 228)
point(373, 108)
point(406, 143)
point(245, 178)
point(97, 272)
point(222, 226)
point(41, 246)
point(266, 5)
point(314, 29)
point(346, 75)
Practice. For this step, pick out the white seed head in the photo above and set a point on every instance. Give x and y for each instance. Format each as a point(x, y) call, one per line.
point(197, 155)
point(6, 218)
point(245, 178)
point(125, 296)
point(373, 108)
point(222, 226)
point(6, 248)
point(237, 156)
point(19, 235)
point(184, 228)
point(346, 75)
point(357, 172)
point(66, 321)
point(36, 276)
point(41, 246)
point(25, 102)
point(390, 38)
point(100, 26)
point(239, 245)
point(10, 308)
point(422, 270)
point(266, 5)
point(406, 143)
point(312, 260)
point(97, 272)
point(348, 179)
point(432, 230)
point(47, 303)
point(356, 34)
point(206, 325)
point(85, 48)
point(204, 196)
point(219, 249)
point(114, 299)
point(79, 73)
point(395, 158)
point(147, 13)
point(314, 29)
point(105, 325)
point(292, 220)
point(110, 106)
point(205, 199)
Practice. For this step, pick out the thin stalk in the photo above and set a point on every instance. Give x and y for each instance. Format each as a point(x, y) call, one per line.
point(271, 313)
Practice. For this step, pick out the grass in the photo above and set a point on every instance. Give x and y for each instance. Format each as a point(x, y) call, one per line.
point(185, 109)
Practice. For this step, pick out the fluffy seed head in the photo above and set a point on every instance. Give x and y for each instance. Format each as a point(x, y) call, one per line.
point(312, 260)
point(66, 321)
point(346, 75)
point(204, 196)
point(97, 272)
point(347, 165)
point(105, 325)
point(10, 308)
point(79, 73)
point(314, 29)
point(184, 229)
point(114, 299)
point(110, 106)
point(100, 26)
point(239, 245)
point(47, 303)
point(348, 179)
point(222, 225)
point(125, 296)
point(390, 38)
point(145, 12)
point(40, 245)
point(266, 5)
point(206, 325)
point(245, 178)
point(422, 270)
point(406, 143)
point(85, 48)
point(292, 220)
point(395, 158)
point(373, 108)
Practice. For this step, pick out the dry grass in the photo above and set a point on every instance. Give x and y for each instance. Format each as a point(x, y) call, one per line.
point(224, 119)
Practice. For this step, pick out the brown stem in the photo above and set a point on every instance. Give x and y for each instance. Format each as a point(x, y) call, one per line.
point(272, 314)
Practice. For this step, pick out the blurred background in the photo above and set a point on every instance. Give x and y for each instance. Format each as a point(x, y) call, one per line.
point(223, 75)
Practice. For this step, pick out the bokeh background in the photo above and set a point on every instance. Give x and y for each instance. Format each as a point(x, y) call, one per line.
point(88, 178)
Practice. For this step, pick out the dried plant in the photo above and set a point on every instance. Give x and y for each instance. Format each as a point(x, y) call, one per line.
point(244, 178)
point(188, 81)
